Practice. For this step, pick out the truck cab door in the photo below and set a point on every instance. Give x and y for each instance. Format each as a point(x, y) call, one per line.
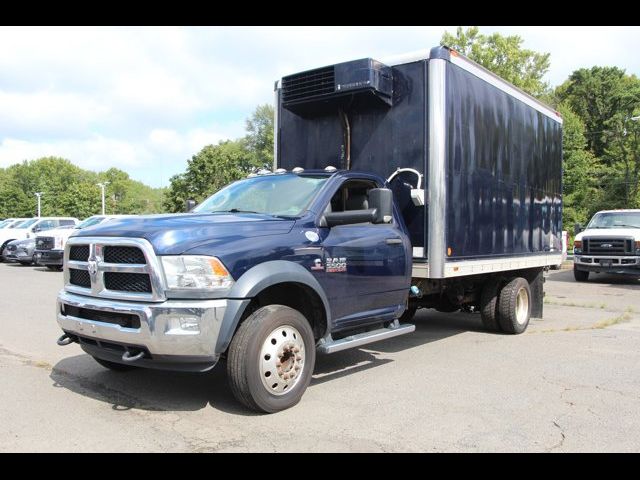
point(366, 265)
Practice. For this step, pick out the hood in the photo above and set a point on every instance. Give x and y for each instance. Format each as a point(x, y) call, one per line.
point(174, 234)
point(57, 232)
point(28, 241)
point(609, 232)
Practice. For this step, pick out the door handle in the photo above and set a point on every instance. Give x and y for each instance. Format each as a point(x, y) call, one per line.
point(394, 241)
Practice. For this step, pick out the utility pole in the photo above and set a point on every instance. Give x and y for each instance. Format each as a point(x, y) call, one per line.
point(102, 187)
point(38, 194)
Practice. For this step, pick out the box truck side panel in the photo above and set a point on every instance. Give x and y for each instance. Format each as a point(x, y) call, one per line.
point(383, 137)
point(503, 172)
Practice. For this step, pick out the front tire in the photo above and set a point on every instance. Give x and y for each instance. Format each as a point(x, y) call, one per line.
point(514, 307)
point(271, 359)
point(580, 275)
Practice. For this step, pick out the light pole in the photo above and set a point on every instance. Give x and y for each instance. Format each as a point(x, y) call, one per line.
point(38, 194)
point(102, 187)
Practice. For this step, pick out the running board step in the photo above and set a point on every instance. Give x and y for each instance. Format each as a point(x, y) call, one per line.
point(364, 338)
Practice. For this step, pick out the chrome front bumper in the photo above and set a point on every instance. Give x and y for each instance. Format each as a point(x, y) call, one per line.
point(173, 331)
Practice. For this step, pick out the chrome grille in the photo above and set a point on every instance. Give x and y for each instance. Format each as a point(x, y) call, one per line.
point(113, 267)
point(79, 253)
point(124, 255)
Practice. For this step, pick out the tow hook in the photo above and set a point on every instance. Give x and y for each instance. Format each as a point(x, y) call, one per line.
point(65, 340)
point(128, 357)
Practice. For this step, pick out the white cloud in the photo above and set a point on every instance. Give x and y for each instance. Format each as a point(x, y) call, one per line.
point(152, 159)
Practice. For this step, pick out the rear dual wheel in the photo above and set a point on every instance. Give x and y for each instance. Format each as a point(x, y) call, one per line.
point(508, 308)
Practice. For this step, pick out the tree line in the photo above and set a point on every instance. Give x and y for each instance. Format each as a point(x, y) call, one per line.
point(68, 190)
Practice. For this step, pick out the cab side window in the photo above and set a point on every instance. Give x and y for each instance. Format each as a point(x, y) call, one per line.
point(352, 195)
point(46, 225)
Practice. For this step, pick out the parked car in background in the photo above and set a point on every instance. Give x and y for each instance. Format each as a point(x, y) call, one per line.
point(609, 244)
point(11, 222)
point(50, 245)
point(30, 227)
point(21, 251)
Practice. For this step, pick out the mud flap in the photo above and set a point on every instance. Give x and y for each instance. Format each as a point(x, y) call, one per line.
point(536, 282)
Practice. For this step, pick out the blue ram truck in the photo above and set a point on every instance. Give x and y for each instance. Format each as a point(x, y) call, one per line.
point(445, 195)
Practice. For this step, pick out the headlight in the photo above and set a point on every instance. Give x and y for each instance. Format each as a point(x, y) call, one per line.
point(577, 246)
point(57, 243)
point(194, 272)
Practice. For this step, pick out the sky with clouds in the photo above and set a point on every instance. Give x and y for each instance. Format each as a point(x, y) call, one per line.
point(145, 99)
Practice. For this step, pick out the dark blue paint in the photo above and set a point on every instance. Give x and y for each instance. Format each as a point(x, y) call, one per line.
point(504, 172)
point(376, 282)
point(383, 138)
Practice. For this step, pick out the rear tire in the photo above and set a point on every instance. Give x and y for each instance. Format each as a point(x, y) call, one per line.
point(116, 367)
point(514, 307)
point(580, 275)
point(489, 306)
point(271, 359)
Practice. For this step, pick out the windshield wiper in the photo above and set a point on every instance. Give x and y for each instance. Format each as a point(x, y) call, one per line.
point(625, 225)
point(234, 210)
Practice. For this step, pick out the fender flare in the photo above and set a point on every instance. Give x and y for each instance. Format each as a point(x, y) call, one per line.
point(255, 280)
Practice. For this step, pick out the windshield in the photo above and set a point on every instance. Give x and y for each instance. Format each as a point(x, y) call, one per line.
point(281, 195)
point(27, 223)
point(615, 220)
point(89, 222)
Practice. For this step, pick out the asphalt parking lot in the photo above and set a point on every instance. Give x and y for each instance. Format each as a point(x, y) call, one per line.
point(570, 383)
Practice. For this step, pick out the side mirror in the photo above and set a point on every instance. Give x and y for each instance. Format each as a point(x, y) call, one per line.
point(381, 211)
point(577, 228)
point(381, 201)
point(36, 229)
point(189, 205)
point(347, 218)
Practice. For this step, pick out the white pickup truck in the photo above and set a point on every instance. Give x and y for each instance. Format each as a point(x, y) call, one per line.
point(50, 244)
point(609, 244)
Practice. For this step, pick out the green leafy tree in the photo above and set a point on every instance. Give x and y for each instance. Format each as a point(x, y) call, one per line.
point(68, 190)
point(606, 99)
point(83, 199)
point(209, 170)
point(504, 56)
point(14, 202)
point(259, 138)
point(581, 172)
point(602, 97)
